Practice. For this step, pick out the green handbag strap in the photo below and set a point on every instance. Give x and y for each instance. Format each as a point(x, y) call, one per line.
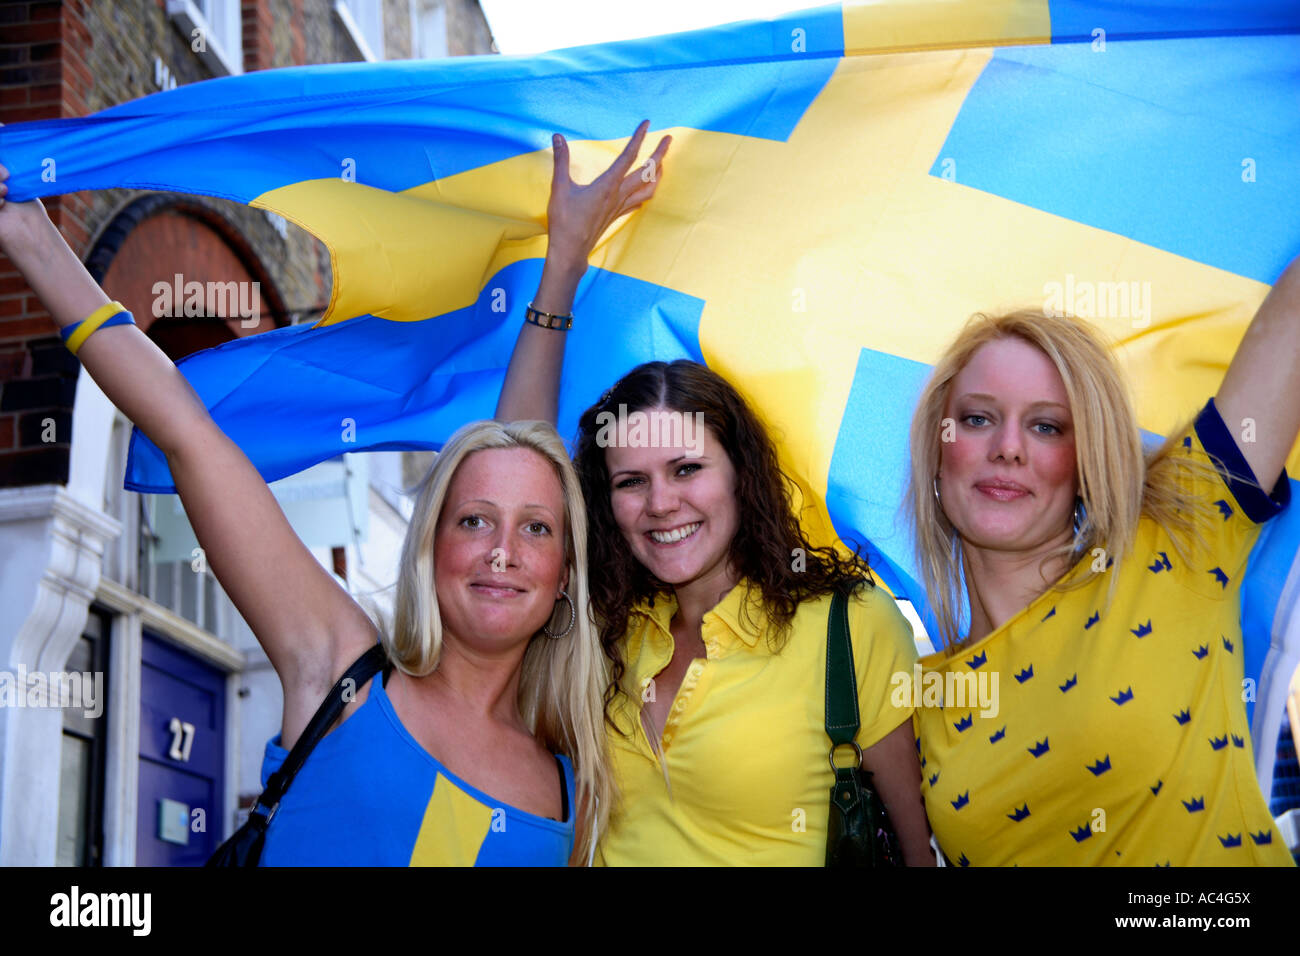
point(858, 829)
point(841, 685)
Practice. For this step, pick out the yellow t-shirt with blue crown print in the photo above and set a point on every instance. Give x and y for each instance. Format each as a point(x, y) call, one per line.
point(1120, 734)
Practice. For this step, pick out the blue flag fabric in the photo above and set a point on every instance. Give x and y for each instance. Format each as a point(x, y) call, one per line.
point(847, 185)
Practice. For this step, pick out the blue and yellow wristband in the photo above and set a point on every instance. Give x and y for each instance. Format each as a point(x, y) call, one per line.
point(110, 313)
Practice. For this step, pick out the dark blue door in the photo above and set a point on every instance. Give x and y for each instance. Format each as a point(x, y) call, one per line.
point(182, 757)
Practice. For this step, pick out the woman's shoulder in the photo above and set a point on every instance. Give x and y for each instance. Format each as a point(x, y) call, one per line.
point(871, 601)
point(872, 614)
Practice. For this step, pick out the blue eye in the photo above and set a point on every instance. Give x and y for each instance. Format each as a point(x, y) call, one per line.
point(971, 420)
point(1051, 429)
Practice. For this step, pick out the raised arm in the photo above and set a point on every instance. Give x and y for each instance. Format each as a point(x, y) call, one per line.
point(310, 627)
point(1263, 382)
point(577, 216)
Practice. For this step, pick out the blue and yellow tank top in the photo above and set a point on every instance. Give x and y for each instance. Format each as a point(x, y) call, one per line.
point(370, 795)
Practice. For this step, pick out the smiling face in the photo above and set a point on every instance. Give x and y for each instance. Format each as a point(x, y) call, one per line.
point(676, 507)
point(499, 548)
point(1008, 480)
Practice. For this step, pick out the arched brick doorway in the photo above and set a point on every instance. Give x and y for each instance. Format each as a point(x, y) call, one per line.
point(157, 238)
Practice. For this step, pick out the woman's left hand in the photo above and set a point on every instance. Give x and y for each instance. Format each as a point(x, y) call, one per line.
point(577, 216)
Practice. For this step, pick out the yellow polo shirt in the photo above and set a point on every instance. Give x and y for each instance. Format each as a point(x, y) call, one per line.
point(745, 745)
point(1120, 735)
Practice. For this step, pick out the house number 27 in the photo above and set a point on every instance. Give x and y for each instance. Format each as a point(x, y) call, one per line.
point(182, 738)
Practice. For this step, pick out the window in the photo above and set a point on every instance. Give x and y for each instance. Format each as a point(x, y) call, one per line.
point(81, 779)
point(364, 22)
point(186, 586)
point(428, 30)
point(214, 31)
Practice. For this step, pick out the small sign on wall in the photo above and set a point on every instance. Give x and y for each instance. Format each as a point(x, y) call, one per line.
point(162, 75)
point(174, 822)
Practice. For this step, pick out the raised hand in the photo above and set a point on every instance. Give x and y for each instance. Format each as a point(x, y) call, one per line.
point(578, 216)
point(17, 219)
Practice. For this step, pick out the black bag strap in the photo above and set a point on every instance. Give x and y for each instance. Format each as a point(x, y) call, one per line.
point(364, 668)
point(842, 718)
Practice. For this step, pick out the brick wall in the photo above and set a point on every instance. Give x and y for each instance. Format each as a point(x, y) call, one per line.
point(259, 43)
point(397, 29)
point(74, 58)
point(71, 58)
point(467, 29)
point(43, 73)
point(322, 31)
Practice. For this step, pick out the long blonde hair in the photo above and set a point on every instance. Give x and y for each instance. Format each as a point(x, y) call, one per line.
point(1118, 482)
point(561, 681)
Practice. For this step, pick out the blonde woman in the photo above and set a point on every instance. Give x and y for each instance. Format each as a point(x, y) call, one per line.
point(466, 754)
point(1104, 598)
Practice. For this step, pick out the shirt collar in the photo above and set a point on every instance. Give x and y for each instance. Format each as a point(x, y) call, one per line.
point(734, 622)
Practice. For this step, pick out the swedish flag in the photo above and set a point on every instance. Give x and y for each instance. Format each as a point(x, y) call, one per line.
point(849, 183)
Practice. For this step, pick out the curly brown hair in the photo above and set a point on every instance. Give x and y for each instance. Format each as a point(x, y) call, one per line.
point(768, 533)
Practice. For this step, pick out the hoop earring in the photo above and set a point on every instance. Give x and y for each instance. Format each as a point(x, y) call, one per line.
point(573, 619)
point(934, 483)
point(1080, 516)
